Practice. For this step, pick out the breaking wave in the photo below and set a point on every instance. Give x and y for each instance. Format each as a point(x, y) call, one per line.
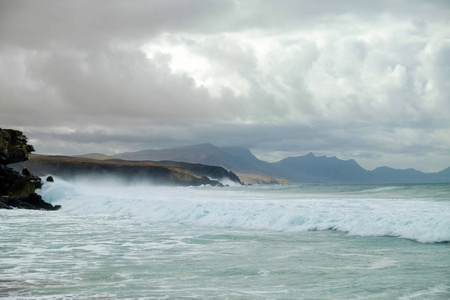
point(364, 212)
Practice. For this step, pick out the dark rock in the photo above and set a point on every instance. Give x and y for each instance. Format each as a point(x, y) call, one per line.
point(18, 189)
point(32, 201)
point(50, 179)
point(4, 206)
point(25, 172)
point(13, 147)
point(14, 184)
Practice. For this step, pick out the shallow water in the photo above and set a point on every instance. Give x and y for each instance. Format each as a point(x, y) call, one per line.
point(261, 242)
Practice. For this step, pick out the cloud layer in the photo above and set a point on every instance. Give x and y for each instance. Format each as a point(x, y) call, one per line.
point(358, 79)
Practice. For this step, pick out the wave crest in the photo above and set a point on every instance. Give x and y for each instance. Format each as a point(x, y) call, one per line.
point(253, 208)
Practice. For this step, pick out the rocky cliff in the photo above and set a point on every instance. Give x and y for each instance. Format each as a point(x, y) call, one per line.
point(18, 189)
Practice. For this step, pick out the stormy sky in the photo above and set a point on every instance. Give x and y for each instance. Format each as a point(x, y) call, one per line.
point(368, 80)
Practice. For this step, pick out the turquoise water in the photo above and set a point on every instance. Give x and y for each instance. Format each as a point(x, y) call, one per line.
point(253, 242)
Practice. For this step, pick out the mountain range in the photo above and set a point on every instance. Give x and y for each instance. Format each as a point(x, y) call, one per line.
point(301, 169)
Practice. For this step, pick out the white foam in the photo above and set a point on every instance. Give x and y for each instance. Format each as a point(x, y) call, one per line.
point(382, 263)
point(257, 209)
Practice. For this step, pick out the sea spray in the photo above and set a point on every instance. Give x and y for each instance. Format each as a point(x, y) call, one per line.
point(357, 210)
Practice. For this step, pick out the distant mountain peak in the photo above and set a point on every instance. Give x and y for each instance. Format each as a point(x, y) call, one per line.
point(203, 145)
point(308, 168)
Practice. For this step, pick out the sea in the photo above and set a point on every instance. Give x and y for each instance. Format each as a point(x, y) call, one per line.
point(306, 241)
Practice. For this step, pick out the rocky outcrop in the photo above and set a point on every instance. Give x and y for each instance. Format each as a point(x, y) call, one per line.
point(13, 147)
point(18, 189)
point(212, 172)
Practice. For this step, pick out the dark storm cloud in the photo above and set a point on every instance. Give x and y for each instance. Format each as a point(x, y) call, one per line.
point(93, 23)
point(363, 79)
